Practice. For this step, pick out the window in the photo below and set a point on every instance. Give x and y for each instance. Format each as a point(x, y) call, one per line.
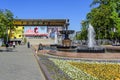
point(19, 35)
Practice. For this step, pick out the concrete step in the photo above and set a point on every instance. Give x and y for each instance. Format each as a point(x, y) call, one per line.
point(36, 41)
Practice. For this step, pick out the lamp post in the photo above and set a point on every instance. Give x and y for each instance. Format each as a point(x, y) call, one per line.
point(6, 33)
point(114, 30)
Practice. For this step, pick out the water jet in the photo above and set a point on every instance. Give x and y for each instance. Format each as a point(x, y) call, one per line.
point(91, 46)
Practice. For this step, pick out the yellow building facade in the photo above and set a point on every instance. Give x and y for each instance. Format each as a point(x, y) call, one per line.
point(17, 33)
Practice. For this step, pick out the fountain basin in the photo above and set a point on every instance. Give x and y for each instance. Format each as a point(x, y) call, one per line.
point(91, 50)
point(66, 48)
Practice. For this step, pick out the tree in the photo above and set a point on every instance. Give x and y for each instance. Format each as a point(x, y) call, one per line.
point(83, 34)
point(2, 23)
point(6, 22)
point(104, 17)
point(9, 22)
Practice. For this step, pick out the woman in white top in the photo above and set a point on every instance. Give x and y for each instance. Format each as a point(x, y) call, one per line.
point(13, 44)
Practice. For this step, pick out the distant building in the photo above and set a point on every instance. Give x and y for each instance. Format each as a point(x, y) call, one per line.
point(16, 34)
point(36, 28)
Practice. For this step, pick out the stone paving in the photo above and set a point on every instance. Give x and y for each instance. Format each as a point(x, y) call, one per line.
point(19, 64)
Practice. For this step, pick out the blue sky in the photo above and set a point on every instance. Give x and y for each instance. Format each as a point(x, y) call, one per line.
point(74, 10)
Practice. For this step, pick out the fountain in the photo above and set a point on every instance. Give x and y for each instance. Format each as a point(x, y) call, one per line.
point(91, 45)
point(91, 37)
point(66, 42)
point(67, 50)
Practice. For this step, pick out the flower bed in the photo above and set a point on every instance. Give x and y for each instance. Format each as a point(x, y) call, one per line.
point(55, 72)
point(63, 69)
point(73, 72)
point(103, 71)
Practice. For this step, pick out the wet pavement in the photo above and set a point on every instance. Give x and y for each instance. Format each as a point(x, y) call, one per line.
point(19, 64)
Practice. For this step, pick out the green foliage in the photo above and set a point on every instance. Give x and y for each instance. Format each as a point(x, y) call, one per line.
point(25, 40)
point(6, 22)
point(83, 34)
point(2, 24)
point(104, 17)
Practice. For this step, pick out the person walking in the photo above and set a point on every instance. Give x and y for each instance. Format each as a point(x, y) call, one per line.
point(13, 44)
point(7, 45)
point(40, 47)
point(28, 44)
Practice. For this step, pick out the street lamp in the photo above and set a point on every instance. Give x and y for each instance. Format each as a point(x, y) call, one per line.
point(6, 34)
point(114, 30)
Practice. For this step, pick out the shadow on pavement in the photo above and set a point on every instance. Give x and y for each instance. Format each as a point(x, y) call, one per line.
point(7, 50)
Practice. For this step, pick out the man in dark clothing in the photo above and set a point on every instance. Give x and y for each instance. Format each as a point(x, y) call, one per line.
point(28, 44)
point(40, 47)
point(7, 45)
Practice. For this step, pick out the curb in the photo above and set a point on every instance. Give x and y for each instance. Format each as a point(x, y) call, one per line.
point(44, 70)
point(42, 67)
